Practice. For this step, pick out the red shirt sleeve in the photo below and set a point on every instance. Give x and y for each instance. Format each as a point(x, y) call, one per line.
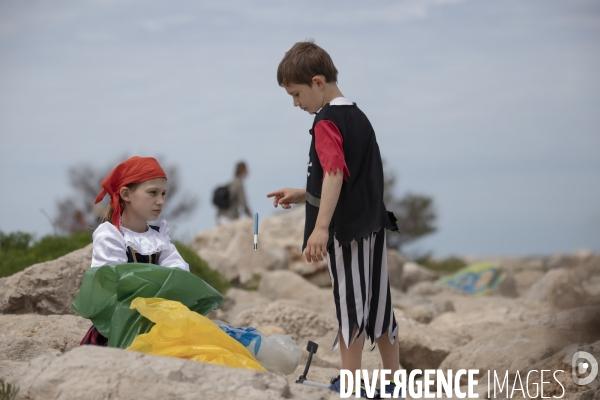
point(330, 150)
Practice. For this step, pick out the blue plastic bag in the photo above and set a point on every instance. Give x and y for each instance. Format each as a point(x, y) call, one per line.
point(248, 336)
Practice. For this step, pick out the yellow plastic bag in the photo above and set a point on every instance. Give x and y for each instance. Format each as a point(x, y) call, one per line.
point(182, 333)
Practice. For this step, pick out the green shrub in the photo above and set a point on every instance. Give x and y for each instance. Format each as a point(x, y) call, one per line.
point(8, 391)
point(15, 241)
point(447, 265)
point(252, 285)
point(18, 250)
point(199, 268)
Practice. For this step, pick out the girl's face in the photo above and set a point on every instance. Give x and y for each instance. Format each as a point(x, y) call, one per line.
point(145, 202)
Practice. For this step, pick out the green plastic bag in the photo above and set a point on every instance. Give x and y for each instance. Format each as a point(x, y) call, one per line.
point(106, 294)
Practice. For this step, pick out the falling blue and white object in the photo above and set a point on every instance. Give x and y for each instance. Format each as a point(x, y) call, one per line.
point(255, 231)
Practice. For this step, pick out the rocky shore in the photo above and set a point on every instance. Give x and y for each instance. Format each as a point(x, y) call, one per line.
point(546, 309)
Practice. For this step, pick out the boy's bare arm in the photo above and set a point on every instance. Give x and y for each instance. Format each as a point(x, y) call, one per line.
point(286, 196)
point(316, 246)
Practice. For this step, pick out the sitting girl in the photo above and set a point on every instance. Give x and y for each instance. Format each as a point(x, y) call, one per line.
point(137, 189)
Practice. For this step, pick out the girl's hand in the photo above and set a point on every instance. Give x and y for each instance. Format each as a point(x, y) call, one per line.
point(287, 196)
point(316, 246)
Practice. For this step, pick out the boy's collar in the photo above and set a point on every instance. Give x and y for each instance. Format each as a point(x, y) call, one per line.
point(338, 101)
point(341, 101)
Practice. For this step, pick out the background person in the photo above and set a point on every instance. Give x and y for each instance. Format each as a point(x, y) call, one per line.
point(237, 197)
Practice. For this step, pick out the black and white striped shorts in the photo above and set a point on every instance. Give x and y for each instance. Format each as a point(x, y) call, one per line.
point(361, 289)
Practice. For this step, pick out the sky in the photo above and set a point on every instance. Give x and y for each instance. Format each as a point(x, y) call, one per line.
point(490, 108)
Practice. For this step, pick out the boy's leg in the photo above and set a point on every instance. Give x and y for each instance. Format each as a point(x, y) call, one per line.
point(390, 353)
point(382, 320)
point(351, 356)
point(347, 269)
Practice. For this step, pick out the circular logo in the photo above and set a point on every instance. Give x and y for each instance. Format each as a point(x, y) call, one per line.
point(581, 367)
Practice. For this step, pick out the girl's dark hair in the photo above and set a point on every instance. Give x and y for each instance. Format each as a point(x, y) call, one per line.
point(108, 213)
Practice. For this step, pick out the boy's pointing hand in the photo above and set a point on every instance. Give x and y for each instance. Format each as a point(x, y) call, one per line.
point(287, 196)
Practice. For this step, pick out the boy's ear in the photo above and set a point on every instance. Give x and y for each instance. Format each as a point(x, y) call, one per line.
point(124, 193)
point(319, 80)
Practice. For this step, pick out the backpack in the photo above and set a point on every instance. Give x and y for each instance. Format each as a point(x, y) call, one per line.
point(221, 197)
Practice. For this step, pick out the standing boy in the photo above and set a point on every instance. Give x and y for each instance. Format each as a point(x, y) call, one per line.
point(346, 219)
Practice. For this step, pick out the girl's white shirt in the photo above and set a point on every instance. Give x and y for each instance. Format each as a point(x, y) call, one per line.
point(110, 246)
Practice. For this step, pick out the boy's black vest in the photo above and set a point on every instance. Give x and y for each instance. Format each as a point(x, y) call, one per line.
point(360, 210)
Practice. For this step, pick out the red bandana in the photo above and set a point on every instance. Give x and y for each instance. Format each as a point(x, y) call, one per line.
point(134, 170)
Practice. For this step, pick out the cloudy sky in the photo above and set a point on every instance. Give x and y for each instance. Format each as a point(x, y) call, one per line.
point(491, 108)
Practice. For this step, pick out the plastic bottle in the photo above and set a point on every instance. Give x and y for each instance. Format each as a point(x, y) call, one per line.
point(277, 353)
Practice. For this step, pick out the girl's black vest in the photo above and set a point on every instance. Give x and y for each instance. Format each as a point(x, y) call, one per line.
point(360, 210)
point(135, 257)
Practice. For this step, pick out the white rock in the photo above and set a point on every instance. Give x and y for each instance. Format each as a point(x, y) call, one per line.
point(239, 300)
point(428, 288)
point(11, 370)
point(423, 347)
point(526, 279)
point(560, 288)
point(291, 286)
point(474, 323)
point(295, 320)
point(511, 347)
point(285, 229)
point(413, 273)
point(370, 359)
point(92, 372)
point(315, 272)
point(420, 308)
point(562, 361)
point(45, 288)
point(229, 249)
point(583, 254)
point(25, 336)
point(396, 263)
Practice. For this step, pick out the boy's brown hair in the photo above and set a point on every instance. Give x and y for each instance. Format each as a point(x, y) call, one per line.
point(304, 61)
